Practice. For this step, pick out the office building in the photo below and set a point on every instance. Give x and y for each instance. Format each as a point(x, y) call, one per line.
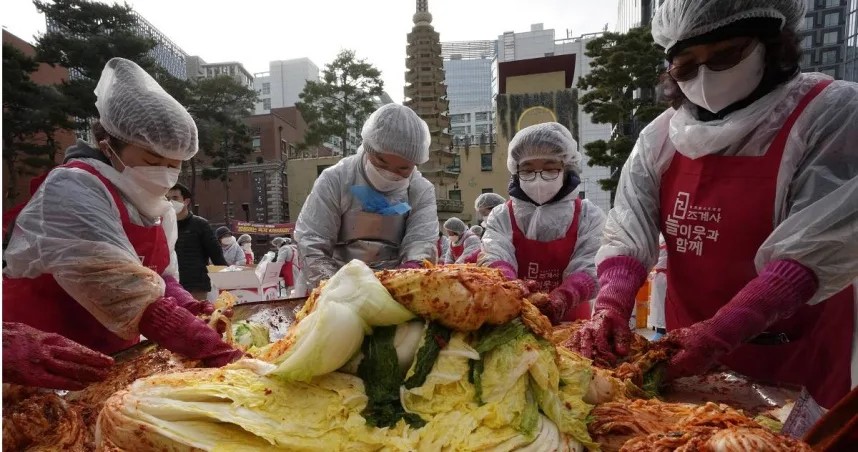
point(282, 85)
point(197, 68)
point(635, 13)
point(829, 38)
point(468, 74)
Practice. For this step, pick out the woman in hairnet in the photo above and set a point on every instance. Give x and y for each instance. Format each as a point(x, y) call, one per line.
point(232, 251)
point(373, 206)
point(545, 233)
point(752, 177)
point(246, 244)
point(463, 242)
point(287, 253)
point(484, 205)
point(91, 255)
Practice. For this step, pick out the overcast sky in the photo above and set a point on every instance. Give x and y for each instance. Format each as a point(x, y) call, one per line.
point(255, 32)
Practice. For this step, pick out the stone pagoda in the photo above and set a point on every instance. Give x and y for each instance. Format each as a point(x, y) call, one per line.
point(426, 94)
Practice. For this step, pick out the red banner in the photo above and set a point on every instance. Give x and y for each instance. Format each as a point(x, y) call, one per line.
point(244, 227)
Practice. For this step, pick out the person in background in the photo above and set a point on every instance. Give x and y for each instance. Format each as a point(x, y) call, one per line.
point(477, 230)
point(374, 206)
point(463, 243)
point(443, 246)
point(47, 360)
point(232, 252)
point(752, 178)
point(484, 205)
point(246, 244)
point(91, 256)
point(196, 245)
point(658, 291)
point(545, 233)
point(291, 271)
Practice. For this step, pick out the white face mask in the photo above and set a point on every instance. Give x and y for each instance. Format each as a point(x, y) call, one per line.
point(178, 206)
point(147, 186)
point(383, 180)
point(541, 191)
point(227, 241)
point(246, 246)
point(717, 90)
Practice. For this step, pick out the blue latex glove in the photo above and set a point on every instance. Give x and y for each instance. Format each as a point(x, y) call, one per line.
point(375, 202)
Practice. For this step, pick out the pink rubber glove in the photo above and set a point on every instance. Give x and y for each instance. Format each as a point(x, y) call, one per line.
point(184, 298)
point(179, 331)
point(47, 360)
point(607, 334)
point(575, 288)
point(776, 294)
point(410, 265)
point(473, 257)
point(506, 269)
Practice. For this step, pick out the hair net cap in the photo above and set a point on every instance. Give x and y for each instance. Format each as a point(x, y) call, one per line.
point(134, 108)
point(395, 129)
point(549, 140)
point(477, 229)
point(678, 20)
point(222, 232)
point(488, 201)
point(244, 238)
point(455, 225)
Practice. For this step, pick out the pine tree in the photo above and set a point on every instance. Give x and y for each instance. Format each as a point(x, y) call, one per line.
point(622, 65)
point(341, 100)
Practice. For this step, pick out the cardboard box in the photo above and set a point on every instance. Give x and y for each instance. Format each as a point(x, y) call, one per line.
point(253, 283)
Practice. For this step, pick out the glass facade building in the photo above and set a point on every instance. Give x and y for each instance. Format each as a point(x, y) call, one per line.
point(829, 39)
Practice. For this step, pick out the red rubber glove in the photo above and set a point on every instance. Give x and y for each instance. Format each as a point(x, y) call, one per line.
point(506, 269)
point(183, 298)
point(607, 334)
point(574, 289)
point(47, 360)
point(776, 294)
point(179, 331)
point(411, 265)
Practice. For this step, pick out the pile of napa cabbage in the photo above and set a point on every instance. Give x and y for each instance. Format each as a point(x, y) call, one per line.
point(359, 372)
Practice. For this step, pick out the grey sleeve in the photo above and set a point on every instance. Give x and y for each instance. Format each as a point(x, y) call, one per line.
point(318, 226)
point(472, 244)
point(497, 239)
point(421, 228)
point(590, 227)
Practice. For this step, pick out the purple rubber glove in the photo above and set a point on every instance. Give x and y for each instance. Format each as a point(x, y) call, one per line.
point(506, 269)
point(575, 288)
point(776, 294)
point(35, 358)
point(607, 334)
point(410, 265)
point(179, 331)
point(183, 298)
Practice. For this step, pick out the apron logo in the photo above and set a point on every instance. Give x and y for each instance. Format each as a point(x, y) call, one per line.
point(532, 270)
point(690, 225)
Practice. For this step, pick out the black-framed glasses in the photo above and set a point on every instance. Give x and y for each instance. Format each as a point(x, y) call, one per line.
point(720, 61)
point(551, 174)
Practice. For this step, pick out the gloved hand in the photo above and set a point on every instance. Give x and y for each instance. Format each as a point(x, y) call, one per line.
point(607, 334)
point(177, 330)
point(174, 289)
point(574, 289)
point(776, 294)
point(411, 265)
point(47, 360)
point(506, 269)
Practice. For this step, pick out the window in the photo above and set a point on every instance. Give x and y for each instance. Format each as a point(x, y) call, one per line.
point(459, 131)
point(811, 4)
point(832, 3)
point(830, 37)
point(455, 195)
point(582, 195)
point(481, 116)
point(266, 88)
point(257, 143)
point(481, 128)
point(456, 166)
point(808, 23)
point(805, 60)
point(487, 190)
point(829, 57)
point(485, 162)
point(832, 19)
point(464, 117)
point(266, 103)
point(807, 42)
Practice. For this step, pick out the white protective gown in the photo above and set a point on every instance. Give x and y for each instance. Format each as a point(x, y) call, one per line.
point(545, 223)
point(472, 244)
point(816, 206)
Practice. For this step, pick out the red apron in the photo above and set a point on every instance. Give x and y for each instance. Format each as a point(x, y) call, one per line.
point(248, 258)
point(286, 273)
point(716, 212)
point(544, 262)
point(43, 304)
point(473, 258)
point(457, 250)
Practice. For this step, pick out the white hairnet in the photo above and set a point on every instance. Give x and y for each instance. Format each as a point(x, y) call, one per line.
point(280, 241)
point(455, 225)
point(134, 108)
point(549, 140)
point(396, 129)
point(244, 238)
point(488, 201)
point(816, 199)
point(477, 229)
point(545, 223)
point(677, 20)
